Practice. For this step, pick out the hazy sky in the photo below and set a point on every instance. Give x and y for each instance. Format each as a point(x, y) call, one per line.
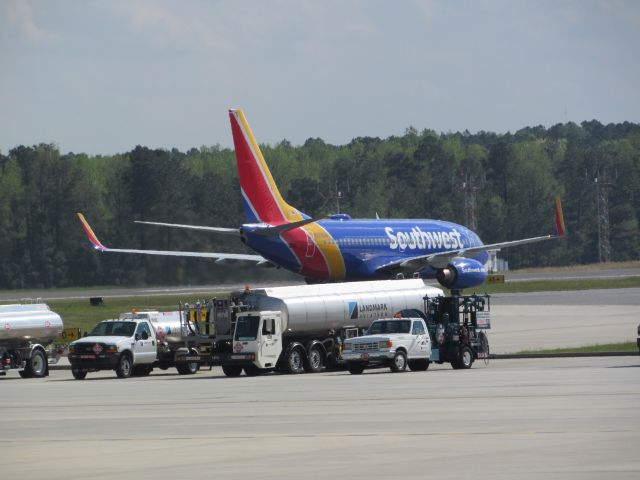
point(103, 76)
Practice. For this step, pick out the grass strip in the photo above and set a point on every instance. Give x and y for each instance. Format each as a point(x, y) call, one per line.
point(558, 285)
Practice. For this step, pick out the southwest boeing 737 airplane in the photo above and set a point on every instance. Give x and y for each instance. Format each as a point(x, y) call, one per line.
point(339, 248)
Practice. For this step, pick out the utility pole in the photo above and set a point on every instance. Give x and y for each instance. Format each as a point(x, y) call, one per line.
point(470, 187)
point(602, 199)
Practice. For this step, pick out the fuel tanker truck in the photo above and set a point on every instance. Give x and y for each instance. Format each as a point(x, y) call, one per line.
point(302, 328)
point(25, 332)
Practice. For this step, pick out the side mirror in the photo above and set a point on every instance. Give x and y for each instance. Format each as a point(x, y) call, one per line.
point(145, 335)
point(137, 337)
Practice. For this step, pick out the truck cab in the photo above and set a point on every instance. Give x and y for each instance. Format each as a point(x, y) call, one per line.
point(394, 342)
point(257, 342)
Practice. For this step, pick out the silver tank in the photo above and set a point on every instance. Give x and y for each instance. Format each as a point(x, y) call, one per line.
point(166, 324)
point(331, 306)
point(25, 324)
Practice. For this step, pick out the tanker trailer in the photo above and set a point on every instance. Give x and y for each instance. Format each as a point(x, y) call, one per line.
point(25, 331)
point(301, 328)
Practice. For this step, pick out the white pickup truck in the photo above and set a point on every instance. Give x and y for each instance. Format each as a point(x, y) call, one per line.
point(395, 342)
point(134, 344)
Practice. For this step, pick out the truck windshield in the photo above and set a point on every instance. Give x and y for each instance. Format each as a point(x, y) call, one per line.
point(247, 328)
point(389, 326)
point(114, 329)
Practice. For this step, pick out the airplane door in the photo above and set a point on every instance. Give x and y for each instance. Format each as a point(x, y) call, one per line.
point(270, 341)
point(311, 245)
point(145, 348)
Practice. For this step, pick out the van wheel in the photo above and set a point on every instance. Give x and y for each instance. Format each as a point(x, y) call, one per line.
point(78, 373)
point(315, 362)
point(399, 363)
point(419, 365)
point(124, 367)
point(355, 368)
point(232, 370)
point(295, 361)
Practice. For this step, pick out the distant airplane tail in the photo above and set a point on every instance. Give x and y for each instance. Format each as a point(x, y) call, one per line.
point(560, 228)
point(260, 195)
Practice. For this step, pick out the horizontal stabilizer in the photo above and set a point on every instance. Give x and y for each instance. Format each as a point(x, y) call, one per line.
point(219, 257)
point(279, 229)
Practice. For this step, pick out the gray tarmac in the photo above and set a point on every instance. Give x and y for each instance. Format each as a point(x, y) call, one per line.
point(545, 320)
point(575, 418)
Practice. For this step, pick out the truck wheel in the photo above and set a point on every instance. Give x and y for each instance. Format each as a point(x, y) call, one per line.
point(78, 373)
point(232, 370)
point(466, 357)
point(124, 367)
point(251, 370)
point(315, 362)
point(141, 370)
point(295, 361)
point(36, 365)
point(399, 363)
point(355, 368)
point(419, 365)
point(188, 368)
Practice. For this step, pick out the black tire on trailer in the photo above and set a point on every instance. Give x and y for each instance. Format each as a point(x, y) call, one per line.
point(124, 368)
point(355, 368)
point(399, 362)
point(419, 365)
point(79, 373)
point(295, 361)
point(315, 360)
point(36, 366)
point(232, 370)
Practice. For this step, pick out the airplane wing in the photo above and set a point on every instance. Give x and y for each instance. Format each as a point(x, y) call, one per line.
point(219, 257)
point(442, 259)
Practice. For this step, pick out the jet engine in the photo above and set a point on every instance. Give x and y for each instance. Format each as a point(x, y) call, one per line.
point(462, 273)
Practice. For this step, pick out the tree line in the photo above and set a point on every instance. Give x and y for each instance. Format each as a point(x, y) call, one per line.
point(511, 179)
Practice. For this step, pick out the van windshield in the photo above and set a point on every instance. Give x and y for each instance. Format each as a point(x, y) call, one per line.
point(247, 328)
point(389, 326)
point(114, 329)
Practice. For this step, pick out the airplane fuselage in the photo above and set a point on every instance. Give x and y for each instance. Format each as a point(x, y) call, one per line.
point(359, 249)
